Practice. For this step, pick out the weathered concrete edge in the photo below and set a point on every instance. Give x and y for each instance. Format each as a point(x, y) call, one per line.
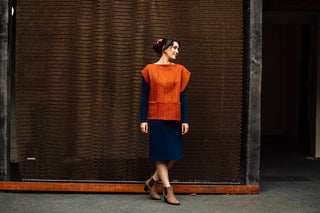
point(4, 91)
point(254, 72)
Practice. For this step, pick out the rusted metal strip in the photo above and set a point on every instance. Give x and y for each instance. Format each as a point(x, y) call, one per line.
point(124, 188)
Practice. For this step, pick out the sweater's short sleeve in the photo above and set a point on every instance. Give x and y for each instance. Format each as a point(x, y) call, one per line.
point(145, 74)
point(185, 76)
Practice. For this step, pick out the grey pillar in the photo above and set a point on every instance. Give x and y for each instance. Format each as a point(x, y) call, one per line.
point(5, 80)
point(254, 51)
point(317, 142)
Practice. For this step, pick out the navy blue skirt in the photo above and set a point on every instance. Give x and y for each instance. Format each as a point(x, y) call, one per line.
point(165, 140)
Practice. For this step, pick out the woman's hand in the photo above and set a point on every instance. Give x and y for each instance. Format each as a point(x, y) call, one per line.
point(144, 127)
point(185, 128)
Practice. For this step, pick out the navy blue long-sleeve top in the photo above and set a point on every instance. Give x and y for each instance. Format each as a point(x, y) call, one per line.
point(144, 103)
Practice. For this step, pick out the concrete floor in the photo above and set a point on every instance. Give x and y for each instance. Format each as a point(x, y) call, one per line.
point(290, 182)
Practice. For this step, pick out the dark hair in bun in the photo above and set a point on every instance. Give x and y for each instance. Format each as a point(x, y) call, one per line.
point(164, 44)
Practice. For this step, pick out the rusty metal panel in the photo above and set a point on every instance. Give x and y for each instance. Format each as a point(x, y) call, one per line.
point(78, 87)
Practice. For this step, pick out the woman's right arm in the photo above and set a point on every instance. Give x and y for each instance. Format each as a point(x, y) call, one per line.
point(144, 106)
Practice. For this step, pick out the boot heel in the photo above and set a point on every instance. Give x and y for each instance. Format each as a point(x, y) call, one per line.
point(169, 197)
point(146, 188)
point(152, 186)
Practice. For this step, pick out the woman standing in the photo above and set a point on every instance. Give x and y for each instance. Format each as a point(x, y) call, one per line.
point(164, 100)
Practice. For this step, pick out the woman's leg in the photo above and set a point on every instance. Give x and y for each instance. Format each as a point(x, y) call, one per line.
point(162, 171)
point(169, 163)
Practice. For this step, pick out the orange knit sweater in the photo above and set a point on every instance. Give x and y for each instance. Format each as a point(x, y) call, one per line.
point(166, 82)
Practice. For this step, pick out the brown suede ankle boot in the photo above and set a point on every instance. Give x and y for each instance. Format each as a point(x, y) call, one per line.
point(169, 196)
point(151, 185)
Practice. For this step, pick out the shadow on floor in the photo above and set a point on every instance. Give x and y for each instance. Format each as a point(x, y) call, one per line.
point(283, 161)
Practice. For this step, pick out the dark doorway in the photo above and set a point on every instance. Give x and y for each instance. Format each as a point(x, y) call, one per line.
point(288, 86)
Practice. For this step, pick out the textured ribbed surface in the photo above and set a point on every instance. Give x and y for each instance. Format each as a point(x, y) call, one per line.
point(78, 85)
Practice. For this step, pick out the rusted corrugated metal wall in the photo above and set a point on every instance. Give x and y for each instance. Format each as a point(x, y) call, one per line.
point(78, 85)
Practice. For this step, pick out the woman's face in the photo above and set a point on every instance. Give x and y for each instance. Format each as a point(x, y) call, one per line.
point(172, 51)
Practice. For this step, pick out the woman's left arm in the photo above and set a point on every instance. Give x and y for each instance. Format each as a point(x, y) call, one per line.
point(184, 112)
point(144, 106)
